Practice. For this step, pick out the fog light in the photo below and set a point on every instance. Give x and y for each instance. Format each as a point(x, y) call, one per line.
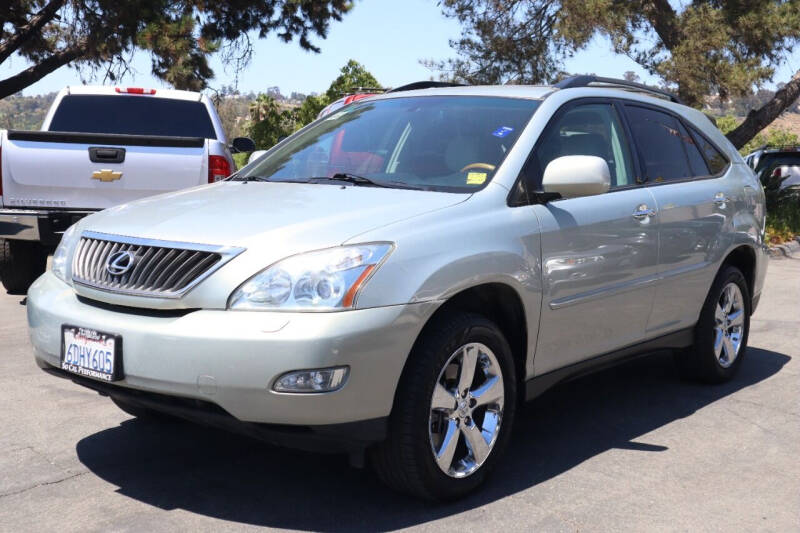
point(316, 380)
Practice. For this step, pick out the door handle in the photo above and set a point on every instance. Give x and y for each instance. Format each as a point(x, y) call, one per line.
point(720, 199)
point(643, 212)
point(99, 154)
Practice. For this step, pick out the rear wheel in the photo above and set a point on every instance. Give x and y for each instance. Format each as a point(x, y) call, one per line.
point(453, 413)
point(721, 332)
point(21, 262)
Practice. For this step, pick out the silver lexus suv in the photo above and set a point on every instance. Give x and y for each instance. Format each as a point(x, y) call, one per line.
point(394, 279)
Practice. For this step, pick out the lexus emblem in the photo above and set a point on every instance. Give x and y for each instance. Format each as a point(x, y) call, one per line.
point(120, 262)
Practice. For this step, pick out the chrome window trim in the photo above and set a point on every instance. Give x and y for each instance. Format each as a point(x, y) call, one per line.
point(226, 254)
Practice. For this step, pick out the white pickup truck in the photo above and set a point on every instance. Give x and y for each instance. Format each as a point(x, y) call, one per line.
point(100, 147)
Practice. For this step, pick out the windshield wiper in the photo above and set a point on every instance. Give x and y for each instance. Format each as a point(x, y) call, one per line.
point(248, 178)
point(361, 180)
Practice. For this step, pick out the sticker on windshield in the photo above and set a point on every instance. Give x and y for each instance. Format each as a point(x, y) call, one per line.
point(476, 178)
point(502, 131)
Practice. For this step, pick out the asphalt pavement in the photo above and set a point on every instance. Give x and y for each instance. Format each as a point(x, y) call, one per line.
point(630, 448)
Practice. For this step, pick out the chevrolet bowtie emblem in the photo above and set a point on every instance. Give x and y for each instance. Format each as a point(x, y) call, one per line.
point(106, 175)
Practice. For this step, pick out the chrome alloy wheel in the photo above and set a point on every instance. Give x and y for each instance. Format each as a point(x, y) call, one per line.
point(728, 325)
point(466, 410)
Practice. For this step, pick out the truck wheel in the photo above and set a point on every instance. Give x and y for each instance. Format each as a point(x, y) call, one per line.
point(720, 338)
point(21, 262)
point(453, 412)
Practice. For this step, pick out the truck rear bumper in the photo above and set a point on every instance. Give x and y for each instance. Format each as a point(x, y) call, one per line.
point(37, 225)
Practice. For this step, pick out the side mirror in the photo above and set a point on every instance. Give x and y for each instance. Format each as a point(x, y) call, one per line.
point(255, 155)
point(577, 175)
point(242, 144)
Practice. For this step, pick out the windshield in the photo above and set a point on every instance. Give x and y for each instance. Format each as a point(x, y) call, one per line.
point(443, 143)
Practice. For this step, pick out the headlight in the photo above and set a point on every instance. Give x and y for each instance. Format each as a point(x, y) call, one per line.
point(61, 255)
point(326, 280)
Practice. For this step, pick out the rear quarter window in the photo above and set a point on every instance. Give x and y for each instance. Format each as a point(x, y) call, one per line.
point(132, 115)
point(716, 161)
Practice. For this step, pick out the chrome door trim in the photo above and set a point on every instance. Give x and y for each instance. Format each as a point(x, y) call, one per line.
point(610, 290)
point(567, 301)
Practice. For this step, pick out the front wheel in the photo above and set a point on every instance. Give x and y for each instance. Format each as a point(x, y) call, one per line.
point(453, 412)
point(721, 332)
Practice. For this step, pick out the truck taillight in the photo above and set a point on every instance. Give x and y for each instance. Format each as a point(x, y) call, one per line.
point(135, 90)
point(218, 168)
point(1, 172)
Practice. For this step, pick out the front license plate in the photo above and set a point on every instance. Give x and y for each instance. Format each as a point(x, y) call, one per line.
point(91, 353)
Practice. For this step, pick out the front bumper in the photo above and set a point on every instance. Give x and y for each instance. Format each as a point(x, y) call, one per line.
point(37, 225)
point(230, 359)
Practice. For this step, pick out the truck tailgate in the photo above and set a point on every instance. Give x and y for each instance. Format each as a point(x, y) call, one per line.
point(96, 171)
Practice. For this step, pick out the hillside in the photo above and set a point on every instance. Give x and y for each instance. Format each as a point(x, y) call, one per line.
point(789, 122)
point(24, 112)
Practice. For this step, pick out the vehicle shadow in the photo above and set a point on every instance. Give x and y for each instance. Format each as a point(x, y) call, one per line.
point(234, 478)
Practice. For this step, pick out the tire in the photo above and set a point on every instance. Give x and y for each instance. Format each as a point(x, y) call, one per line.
point(405, 461)
point(21, 262)
point(142, 413)
point(714, 357)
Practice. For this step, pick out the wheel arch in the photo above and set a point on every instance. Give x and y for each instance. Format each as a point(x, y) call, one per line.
point(743, 257)
point(498, 302)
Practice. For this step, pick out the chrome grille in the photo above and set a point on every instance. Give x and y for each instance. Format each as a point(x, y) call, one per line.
point(158, 268)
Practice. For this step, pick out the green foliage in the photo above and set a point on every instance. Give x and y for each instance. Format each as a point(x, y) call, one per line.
point(352, 76)
point(100, 36)
point(269, 121)
point(783, 222)
point(774, 138)
point(240, 160)
point(19, 112)
point(310, 108)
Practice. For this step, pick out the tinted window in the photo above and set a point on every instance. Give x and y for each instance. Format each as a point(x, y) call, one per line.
point(445, 143)
point(696, 161)
point(132, 115)
point(591, 129)
point(661, 144)
point(716, 161)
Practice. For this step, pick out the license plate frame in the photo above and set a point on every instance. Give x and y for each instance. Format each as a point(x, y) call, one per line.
point(96, 337)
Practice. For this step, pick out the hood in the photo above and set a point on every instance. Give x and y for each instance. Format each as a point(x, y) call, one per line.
point(290, 216)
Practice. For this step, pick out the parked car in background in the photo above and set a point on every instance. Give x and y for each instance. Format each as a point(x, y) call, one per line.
point(346, 100)
point(781, 163)
point(392, 280)
point(99, 147)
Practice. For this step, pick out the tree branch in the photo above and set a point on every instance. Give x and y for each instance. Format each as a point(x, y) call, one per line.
point(36, 72)
point(760, 118)
point(33, 26)
point(665, 21)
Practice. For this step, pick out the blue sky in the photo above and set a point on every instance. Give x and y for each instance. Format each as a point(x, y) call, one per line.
point(388, 36)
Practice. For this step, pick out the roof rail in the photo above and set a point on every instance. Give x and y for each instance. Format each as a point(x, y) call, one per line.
point(587, 80)
point(424, 85)
point(782, 148)
point(361, 90)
